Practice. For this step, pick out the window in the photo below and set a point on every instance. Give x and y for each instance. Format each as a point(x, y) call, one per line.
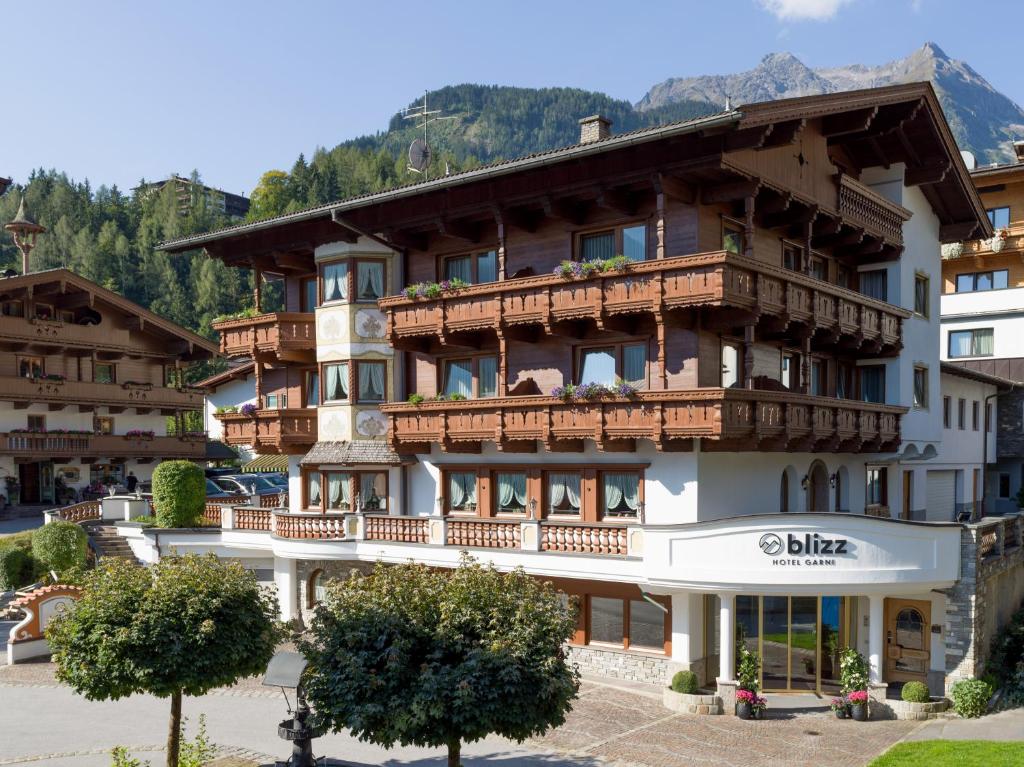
point(104, 372)
point(1004, 485)
point(844, 277)
point(733, 239)
point(13, 309)
point(37, 422)
point(961, 411)
point(339, 490)
point(312, 388)
point(277, 401)
point(732, 365)
point(309, 299)
point(947, 413)
point(877, 493)
point(627, 623)
point(1000, 217)
point(44, 312)
point(461, 492)
point(103, 424)
point(371, 381)
point(471, 377)
point(31, 367)
point(819, 269)
point(792, 256)
point(920, 387)
point(606, 620)
point(369, 281)
point(336, 379)
point(790, 371)
point(872, 383)
point(646, 625)
point(629, 241)
point(844, 380)
point(874, 284)
point(511, 496)
point(65, 316)
point(563, 493)
point(606, 364)
point(373, 490)
point(474, 269)
point(975, 414)
point(335, 280)
point(996, 279)
point(979, 342)
point(620, 493)
point(819, 378)
point(921, 287)
point(314, 499)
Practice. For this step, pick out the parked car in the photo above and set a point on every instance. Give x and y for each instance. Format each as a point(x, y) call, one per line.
point(213, 490)
point(253, 484)
point(281, 480)
point(229, 485)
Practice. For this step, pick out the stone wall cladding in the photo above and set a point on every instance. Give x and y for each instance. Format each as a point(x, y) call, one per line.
point(619, 664)
point(700, 705)
point(332, 570)
point(1010, 415)
point(919, 711)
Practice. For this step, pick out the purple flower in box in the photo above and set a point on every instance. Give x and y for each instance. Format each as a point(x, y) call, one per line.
point(248, 410)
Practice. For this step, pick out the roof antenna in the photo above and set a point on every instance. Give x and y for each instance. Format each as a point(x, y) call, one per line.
point(419, 149)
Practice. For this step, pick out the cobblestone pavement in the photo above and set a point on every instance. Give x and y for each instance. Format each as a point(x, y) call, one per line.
point(608, 725)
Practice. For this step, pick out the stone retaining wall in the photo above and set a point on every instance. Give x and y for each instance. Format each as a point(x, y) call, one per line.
point(918, 711)
point(331, 569)
point(703, 705)
point(620, 664)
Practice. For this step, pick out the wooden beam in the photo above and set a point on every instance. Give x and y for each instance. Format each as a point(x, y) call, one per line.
point(574, 212)
point(134, 322)
point(795, 214)
point(784, 134)
point(458, 230)
point(774, 203)
point(748, 138)
point(674, 187)
point(955, 232)
point(115, 409)
point(522, 218)
point(618, 201)
point(287, 260)
point(729, 192)
point(75, 300)
point(56, 407)
point(848, 122)
point(931, 172)
point(407, 240)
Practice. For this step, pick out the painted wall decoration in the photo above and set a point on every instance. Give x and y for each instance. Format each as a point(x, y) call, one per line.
point(335, 424)
point(370, 323)
point(70, 473)
point(28, 637)
point(332, 325)
point(371, 423)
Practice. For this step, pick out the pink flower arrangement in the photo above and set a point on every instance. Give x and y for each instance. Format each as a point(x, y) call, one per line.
point(746, 696)
point(857, 697)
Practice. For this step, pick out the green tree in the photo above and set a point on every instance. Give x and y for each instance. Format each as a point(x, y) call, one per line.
point(60, 545)
point(179, 493)
point(270, 196)
point(426, 657)
point(181, 627)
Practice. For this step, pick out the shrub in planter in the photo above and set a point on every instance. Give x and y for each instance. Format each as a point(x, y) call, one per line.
point(685, 682)
point(840, 707)
point(60, 545)
point(853, 671)
point(179, 493)
point(858, 700)
point(915, 692)
point(970, 697)
point(747, 670)
point(15, 568)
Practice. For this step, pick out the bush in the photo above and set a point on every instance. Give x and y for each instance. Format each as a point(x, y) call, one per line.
point(853, 671)
point(685, 682)
point(747, 670)
point(915, 692)
point(970, 697)
point(15, 568)
point(179, 493)
point(1007, 649)
point(60, 545)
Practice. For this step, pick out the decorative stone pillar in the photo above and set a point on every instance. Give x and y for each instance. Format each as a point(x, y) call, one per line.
point(876, 636)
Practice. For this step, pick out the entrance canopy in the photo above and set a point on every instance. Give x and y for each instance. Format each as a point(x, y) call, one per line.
point(803, 554)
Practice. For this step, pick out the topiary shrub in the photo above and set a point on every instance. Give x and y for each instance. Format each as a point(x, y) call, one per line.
point(970, 697)
point(15, 568)
point(60, 545)
point(685, 682)
point(915, 692)
point(179, 494)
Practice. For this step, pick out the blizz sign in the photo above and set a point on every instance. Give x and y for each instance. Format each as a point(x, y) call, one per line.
point(809, 550)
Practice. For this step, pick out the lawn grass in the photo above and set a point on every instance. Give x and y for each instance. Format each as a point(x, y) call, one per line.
point(801, 641)
point(953, 753)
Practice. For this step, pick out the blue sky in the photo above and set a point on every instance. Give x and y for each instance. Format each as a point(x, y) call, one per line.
point(116, 91)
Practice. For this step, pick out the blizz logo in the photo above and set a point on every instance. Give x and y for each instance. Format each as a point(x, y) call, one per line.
point(814, 545)
point(771, 544)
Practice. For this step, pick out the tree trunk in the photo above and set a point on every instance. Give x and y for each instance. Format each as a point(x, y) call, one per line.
point(174, 730)
point(455, 752)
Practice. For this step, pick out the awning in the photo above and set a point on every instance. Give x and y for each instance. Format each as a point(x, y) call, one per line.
point(218, 451)
point(267, 463)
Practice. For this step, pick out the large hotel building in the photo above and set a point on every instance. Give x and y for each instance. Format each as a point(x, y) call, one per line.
point(689, 373)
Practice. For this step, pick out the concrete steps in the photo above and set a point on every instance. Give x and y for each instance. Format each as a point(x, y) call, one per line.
point(108, 544)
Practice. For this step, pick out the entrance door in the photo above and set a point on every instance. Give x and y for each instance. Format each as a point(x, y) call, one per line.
point(46, 482)
point(907, 640)
point(28, 476)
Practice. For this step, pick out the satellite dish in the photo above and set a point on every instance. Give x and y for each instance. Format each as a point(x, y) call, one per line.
point(419, 155)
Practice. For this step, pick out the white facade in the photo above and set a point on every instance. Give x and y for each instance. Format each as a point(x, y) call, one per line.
point(233, 393)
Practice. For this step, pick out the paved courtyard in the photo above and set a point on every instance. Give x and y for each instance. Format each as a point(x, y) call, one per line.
point(45, 723)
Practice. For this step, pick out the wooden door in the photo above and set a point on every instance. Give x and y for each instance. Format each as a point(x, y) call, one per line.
point(908, 494)
point(907, 640)
point(28, 475)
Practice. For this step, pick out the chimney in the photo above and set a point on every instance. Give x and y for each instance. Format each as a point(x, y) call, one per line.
point(595, 128)
point(1018, 149)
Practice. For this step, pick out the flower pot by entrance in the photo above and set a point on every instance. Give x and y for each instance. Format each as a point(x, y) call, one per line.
point(744, 710)
point(859, 712)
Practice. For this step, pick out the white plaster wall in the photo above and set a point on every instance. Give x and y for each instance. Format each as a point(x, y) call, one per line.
point(236, 392)
point(70, 418)
point(965, 448)
point(1007, 338)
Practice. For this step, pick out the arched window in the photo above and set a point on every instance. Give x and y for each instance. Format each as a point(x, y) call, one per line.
point(817, 487)
point(316, 589)
point(784, 492)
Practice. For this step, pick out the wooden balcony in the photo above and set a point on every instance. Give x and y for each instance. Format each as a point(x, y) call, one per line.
point(145, 398)
point(726, 419)
point(286, 336)
point(879, 217)
point(54, 336)
point(290, 431)
point(38, 446)
point(755, 292)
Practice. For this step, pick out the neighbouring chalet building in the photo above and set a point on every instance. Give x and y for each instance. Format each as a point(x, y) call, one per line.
point(186, 191)
point(983, 315)
point(88, 381)
point(693, 379)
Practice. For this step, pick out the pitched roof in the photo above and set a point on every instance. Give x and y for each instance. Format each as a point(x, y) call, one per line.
point(242, 370)
point(360, 451)
point(955, 369)
point(66, 277)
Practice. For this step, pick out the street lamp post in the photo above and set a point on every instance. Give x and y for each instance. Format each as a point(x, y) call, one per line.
point(25, 231)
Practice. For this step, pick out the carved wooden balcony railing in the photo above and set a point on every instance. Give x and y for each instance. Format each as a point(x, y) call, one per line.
point(764, 293)
point(289, 336)
point(110, 445)
point(864, 207)
point(733, 419)
point(289, 431)
point(142, 397)
point(53, 334)
point(1012, 243)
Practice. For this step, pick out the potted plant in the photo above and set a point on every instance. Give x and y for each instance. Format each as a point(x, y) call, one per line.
point(759, 706)
point(747, 682)
point(248, 410)
point(858, 705)
point(745, 703)
point(840, 707)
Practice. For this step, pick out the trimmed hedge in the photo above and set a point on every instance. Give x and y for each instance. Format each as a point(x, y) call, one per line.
point(685, 682)
point(915, 692)
point(15, 568)
point(179, 493)
point(60, 545)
